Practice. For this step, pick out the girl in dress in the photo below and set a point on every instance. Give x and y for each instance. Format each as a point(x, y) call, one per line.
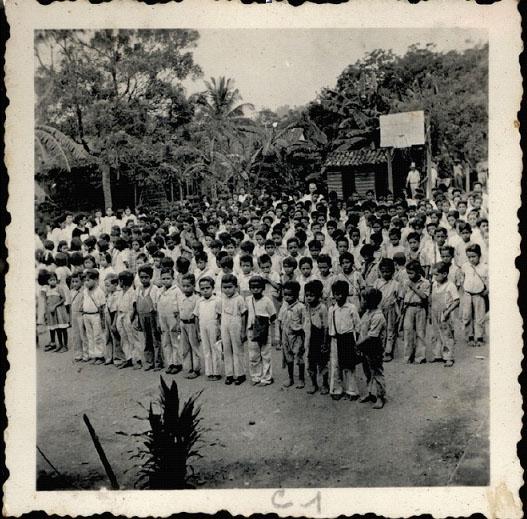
point(57, 316)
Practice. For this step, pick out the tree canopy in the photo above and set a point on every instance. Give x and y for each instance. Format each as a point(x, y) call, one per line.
point(111, 107)
point(451, 87)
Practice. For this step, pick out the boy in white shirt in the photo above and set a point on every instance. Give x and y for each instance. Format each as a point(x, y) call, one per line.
point(475, 286)
point(168, 315)
point(93, 305)
point(261, 315)
point(443, 300)
point(207, 316)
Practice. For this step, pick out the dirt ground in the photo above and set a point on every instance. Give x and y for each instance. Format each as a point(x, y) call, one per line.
point(432, 431)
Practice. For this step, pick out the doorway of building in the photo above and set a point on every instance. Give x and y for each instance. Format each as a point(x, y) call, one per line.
point(402, 158)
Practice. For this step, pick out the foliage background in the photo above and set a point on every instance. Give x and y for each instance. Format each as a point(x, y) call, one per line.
point(114, 126)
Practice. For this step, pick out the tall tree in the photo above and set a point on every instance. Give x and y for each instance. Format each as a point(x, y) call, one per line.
point(116, 92)
point(221, 135)
point(452, 89)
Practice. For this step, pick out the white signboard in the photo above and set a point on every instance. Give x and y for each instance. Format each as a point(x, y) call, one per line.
point(402, 130)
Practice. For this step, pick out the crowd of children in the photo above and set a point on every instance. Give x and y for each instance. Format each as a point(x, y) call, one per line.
point(329, 282)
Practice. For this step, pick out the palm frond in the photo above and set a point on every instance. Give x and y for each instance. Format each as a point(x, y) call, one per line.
point(53, 148)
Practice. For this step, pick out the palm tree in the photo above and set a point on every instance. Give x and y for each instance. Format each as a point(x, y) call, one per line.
point(204, 158)
point(281, 140)
point(220, 130)
point(54, 149)
point(222, 100)
point(220, 114)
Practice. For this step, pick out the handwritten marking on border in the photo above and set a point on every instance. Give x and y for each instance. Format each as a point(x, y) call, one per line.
point(278, 501)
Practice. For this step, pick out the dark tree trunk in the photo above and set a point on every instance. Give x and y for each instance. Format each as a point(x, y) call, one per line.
point(106, 185)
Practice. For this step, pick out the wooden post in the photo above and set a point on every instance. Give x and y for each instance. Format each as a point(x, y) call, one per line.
point(390, 170)
point(101, 453)
point(428, 145)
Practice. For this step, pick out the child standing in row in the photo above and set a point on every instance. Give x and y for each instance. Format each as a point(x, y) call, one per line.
point(415, 304)
point(316, 342)
point(190, 347)
point(147, 297)
point(93, 305)
point(272, 291)
point(57, 314)
point(113, 353)
point(261, 315)
point(233, 312)
point(444, 299)
point(129, 335)
point(390, 290)
point(344, 325)
point(475, 286)
point(78, 339)
point(371, 345)
point(168, 315)
point(292, 325)
point(207, 313)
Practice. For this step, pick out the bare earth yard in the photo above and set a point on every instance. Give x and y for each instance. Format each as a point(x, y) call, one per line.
point(432, 431)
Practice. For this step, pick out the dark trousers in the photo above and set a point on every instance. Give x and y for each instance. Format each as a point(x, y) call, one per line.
point(318, 353)
point(372, 353)
point(152, 351)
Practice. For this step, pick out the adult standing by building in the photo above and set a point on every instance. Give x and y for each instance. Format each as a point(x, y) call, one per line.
point(458, 175)
point(312, 195)
point(107, 221)
point(413, 179)
point(242, 195)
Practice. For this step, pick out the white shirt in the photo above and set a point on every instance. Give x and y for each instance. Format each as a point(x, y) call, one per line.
point(476, 277)
point(93, 300)
point(167, 303)
point(102, 275)
point(343, 319)
point(413, 178)
point(153, 291)
point(263, 307)
point(207, 309)
point(106, 225)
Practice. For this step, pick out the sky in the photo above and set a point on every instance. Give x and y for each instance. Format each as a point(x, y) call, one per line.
point(276, 67)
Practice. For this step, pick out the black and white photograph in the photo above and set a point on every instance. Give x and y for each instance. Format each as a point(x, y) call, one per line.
point(251, 265)
point(261, 266)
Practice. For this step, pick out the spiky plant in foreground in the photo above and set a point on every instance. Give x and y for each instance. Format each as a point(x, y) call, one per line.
point(170, 443)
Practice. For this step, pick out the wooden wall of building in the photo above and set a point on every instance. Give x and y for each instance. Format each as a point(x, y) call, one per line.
point(335, 183)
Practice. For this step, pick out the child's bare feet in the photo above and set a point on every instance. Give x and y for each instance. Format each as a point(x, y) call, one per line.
point(379, 404)
point(366, 398)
